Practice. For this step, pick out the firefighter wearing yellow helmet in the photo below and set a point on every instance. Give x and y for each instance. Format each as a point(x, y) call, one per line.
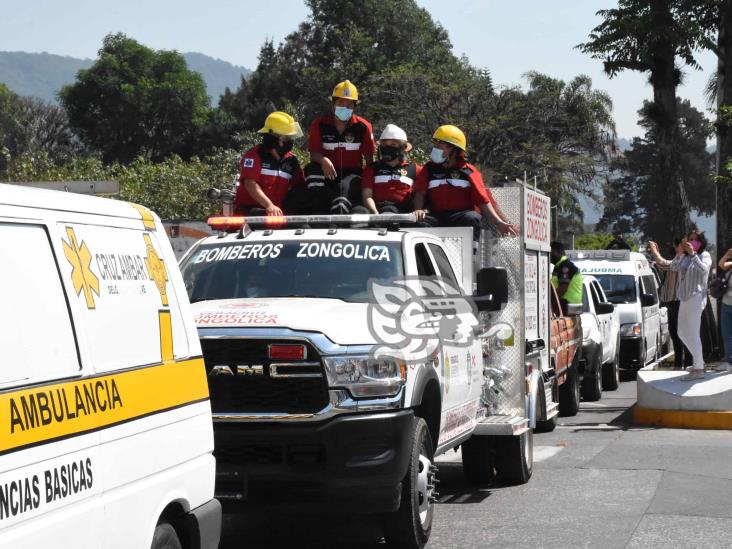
point(454, 188)
point(269, 170)
point(340, 144)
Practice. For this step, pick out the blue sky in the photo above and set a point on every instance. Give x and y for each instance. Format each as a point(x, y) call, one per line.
point(507, 37)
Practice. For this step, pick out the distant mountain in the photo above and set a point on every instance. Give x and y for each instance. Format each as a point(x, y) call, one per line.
point(43, 74)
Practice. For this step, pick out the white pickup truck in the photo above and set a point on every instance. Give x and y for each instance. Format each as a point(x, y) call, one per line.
point(600, 364)
point(306, 411)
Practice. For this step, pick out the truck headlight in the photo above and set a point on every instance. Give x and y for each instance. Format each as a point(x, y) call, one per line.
point(364, 376)
point(631, 330)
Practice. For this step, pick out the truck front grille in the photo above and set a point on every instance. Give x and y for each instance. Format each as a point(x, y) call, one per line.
point(241, 378)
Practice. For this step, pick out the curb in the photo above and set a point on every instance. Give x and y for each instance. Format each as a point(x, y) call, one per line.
point(683, 419)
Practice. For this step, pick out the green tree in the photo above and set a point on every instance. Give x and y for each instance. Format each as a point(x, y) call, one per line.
point(634, 198)
point(136, 101)
point(32, 126)
point(649, 36)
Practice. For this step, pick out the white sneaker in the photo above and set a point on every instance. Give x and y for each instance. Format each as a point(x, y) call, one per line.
point(693, 375)
point(723, 367)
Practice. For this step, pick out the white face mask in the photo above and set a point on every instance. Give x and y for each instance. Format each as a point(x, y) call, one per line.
point(343, 113)
point(437, 155)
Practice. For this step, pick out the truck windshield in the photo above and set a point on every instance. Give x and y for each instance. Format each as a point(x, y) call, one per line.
point(618, 288)
point(330, 269)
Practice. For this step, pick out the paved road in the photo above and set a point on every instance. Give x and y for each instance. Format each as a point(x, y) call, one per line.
point(598, 482)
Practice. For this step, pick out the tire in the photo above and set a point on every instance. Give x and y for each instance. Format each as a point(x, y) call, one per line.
point(165, 537)
point(569, 393)
point(515, 458)
point(548, 425)
point(409, 526)
point(611, 372)
point(592, 380)
point(479, 459)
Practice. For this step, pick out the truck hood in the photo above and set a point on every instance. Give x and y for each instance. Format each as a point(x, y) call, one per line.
point(342, 322)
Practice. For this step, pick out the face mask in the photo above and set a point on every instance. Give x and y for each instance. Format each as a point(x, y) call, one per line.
point(343, 113)
point(387, 153)
point(695, 245)
point(270, 141)
point(437, 156)
point(284, 149)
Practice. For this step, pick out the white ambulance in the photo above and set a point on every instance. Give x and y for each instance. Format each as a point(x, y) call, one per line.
point(630, 284)
point(105, 421)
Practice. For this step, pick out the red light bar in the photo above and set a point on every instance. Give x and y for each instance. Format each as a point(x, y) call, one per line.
point(281, 351)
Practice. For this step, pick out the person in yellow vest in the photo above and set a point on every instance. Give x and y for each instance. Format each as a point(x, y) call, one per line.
point(566, 277)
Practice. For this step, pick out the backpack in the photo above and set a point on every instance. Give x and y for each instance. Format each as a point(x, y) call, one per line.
point(718, 286)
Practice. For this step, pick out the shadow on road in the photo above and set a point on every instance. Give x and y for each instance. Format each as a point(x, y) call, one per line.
point(263, 529)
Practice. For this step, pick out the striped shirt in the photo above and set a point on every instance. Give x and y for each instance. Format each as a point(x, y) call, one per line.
point(693, 274)
point(667, 292)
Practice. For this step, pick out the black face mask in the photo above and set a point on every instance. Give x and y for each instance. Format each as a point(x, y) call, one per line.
point(270, 141)
point(387, 153)
point(284, 149)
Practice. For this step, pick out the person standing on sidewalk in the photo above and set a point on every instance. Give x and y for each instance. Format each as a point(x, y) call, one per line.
point(693, 272)
point(669, 299)
point(725, 266)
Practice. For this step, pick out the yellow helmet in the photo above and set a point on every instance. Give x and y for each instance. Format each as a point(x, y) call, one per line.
point(451, 134)
point(281, 123)
point(345, 90)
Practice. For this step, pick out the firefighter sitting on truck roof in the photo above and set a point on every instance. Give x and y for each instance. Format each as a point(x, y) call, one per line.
point(339, 143)
point(455, 189)
point(387, 183)
point(269, 170)
point(566, 277)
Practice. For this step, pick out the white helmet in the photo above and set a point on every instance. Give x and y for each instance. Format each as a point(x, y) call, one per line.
point(392, 131)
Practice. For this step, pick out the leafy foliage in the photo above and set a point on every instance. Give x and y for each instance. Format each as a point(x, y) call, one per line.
point(636, 200)
point(597, 241)
point(136, 101)
point(649, 36)
point(173, 188)
point(30, 126)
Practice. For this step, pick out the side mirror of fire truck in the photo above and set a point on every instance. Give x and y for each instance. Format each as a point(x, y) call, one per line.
point(492, 292)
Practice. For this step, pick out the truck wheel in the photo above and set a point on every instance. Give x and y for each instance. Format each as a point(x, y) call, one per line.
point(409, 526)
point(611, 372)
point(515, 458)
point(478, 459)
point(592, 380)
point(165, 537)
point(569, 393)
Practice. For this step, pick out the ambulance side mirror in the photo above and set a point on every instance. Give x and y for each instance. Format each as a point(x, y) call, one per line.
point(647, 300)
point(492, 292)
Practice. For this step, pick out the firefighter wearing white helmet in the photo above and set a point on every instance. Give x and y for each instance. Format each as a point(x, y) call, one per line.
point(269, 170)
point(340, 144)
point(387, 184)
point(454, 188)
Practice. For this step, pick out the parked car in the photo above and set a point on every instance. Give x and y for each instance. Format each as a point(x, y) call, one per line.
point(600, 341)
